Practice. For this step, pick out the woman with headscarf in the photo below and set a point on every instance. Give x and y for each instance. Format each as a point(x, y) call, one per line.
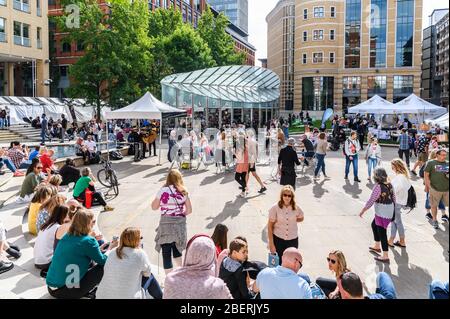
point(196, 279)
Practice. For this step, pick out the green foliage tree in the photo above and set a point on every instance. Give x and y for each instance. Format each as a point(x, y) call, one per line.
point(213, 32)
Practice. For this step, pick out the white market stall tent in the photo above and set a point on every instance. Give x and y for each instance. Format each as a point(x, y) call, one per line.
point(374, 105)
point(442, 121)
point(416, 105)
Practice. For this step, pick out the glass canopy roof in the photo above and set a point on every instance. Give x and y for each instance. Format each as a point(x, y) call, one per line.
point(237, 83)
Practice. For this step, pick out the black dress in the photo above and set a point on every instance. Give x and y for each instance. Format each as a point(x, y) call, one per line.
point(288, 158)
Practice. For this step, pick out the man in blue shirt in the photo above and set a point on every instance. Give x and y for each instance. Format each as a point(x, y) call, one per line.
point(283, 282)
point(350, 287)
point(404, 141)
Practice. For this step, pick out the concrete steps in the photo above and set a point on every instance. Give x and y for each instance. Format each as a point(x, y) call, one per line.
point(8, 136)
point(27, 132)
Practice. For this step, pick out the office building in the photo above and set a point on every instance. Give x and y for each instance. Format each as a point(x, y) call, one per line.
point(235, 10)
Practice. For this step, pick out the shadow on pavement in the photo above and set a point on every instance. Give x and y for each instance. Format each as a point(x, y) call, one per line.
point(231, 210)
point(442, 238)
point(353, 190)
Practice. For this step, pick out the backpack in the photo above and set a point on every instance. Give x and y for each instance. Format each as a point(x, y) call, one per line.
point(412, 198)
point(115, 156)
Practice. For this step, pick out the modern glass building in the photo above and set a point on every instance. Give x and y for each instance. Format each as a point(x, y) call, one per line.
point(235, 10)
point(224, 95)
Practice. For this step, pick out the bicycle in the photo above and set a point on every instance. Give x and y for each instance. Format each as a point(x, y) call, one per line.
point(108, 178)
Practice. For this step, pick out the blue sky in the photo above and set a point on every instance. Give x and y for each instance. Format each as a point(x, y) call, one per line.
point(258, 10)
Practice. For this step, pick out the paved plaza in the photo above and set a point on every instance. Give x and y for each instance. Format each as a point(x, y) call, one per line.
point(331, 222)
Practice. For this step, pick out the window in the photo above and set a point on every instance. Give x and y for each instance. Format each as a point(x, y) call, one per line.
point(22, 34)
point(65, 47)
point(378, 33)
point(332, 35)
point(305, 14)
point(38, 8)
point(333, 12)
point(318, 57)
point(305, 36)
point(318, 35)
point(332, 59)
point(376, 85)
point(80, 46)
point(319, 12)
point(38, 38)
point(351, 94)
point(3, 2)
point(403, 87)
point(317, 93)
point(305, 58)
point(353, 34)
point(63, 71)
point(2, 30)
point(22, 5)
point(405, 33)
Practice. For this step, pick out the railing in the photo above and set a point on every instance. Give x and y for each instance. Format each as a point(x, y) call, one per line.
point(18, 5)
point(39, 44)
point(39, 12)
point(22, 41)
point(2, 37)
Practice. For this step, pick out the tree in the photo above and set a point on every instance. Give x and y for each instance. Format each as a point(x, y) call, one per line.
point(186, 51)
point(213, 32)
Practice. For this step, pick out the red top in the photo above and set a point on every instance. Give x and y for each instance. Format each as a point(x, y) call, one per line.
point(46, 162)
point(218, 250)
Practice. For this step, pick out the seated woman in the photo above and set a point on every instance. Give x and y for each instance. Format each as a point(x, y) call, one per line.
point(43, 247)
point(85, 183)
point(338, 265)
point(43, 193)
point(75, 251)
point(127, 271)
point(74, 208)
point(48, 162)
point(69, 173)
point(196, 279)
point(33, 178)
point(81, 150)
point(47, 209)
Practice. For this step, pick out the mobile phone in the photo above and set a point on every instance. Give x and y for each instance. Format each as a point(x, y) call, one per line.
point(115, 238)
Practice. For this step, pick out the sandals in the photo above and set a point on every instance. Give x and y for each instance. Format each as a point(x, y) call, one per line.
point(373, 250)
point(378, 258)
point(398, 244)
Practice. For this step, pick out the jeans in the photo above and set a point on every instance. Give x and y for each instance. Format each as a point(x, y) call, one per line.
point(380, 234)
point(151, 285)
point(320, 164)
point(90, 280)
point(428, 206)
point(24, 165)
point(354, 162)
point(406, 153)
point(397, 224)
point(327, 285)
point(2, 123)
point(281, 245)
point(241, 179)
point(307, 155)
point(169, 250)
point(43, 137)
point(438, 290)
point(8, 163)
point(372, 163)
point(385, 287)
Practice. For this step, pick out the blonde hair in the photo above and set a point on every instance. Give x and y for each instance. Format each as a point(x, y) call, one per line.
point(130, 237)
point(399, 167)
point(43, 193)
point(52, 202)
point(174, 178)
point(340, 262)
point(81, 224)
point(433, 155)
point(55, 180)
point(290, 189)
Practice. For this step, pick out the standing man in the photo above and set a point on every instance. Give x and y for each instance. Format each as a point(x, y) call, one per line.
point(436, 183)
point(63, 127)
point(44, 128)
point(422, 150)
point(351, 149)
point(404, 141)
point(361, 129)
point(286, 164)
point(252, 158)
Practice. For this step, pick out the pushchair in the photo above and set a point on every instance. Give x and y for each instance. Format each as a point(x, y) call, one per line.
point(335, 144)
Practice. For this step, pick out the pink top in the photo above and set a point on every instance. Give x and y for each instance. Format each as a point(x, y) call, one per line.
point(285, 220)
point(172, 202)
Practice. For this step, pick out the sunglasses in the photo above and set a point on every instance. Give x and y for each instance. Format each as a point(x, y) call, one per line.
point(331, 261)
point(39, 167)
point(287, 195)
point(301, 264)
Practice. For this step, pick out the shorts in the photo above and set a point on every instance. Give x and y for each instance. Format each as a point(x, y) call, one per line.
point(423, 157)
point(436, 197)
point(252, 167)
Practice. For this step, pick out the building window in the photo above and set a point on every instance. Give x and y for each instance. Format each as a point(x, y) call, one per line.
point(333, 12)
point(3, 2)
point(22, 34)
point(2, 30)
point(319, 12)
point(22, 5)
point(317, 93)
point(378, 33)
point(318, 57)
point(353, 34)
point(80, 46)
point(318, 35)
point(38, 38)
point(332, 59)
point(65, 47)
point(332, 35)
point(403, 87)
point(405, 33)
point(38, 8)
point(305, 36)
point(63, 71)
point(377, 85)
point(305, 14)
point(305, 58)
point(351, 95)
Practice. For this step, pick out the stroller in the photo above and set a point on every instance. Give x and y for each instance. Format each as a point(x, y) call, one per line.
point(335, 144)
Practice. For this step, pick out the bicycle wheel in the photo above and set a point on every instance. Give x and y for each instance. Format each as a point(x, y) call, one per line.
point(104, 178)
point(114, 183)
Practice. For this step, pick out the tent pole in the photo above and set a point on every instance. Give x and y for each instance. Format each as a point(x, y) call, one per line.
point(160, 140)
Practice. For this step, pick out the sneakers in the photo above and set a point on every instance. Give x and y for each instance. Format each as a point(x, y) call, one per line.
point(346, 178)
point(13, 253)
point(5, 266)
point(262, 190)
point(429, 216)
point(445, 218)
point(327, 177)
point(18, 174)
point(243, 194)
point(435, 225)
point(108, 208)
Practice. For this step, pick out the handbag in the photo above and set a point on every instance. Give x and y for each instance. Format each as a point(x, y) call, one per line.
point(273, 260)
point(88, 199)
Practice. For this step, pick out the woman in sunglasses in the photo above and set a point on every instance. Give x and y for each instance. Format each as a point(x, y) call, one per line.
point(283, 219)
point(338, 265)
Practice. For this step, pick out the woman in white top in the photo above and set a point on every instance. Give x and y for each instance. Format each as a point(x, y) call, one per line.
point(127, 272)
point(401, 184)
point(44, 245)
point(373, 156)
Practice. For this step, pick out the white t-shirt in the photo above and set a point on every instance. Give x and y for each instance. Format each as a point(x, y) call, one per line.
point(122, 278)
point(43, 247)
point(91, 145)
point(401, 188)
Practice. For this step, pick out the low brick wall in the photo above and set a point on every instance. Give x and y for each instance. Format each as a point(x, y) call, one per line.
point(78, 160)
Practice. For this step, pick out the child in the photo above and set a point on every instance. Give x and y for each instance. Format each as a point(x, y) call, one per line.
point(43, 193)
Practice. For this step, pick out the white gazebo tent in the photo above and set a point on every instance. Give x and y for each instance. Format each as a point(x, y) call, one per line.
point(416, 105)
point(442, 121)
point(374, 105)
point(147, 107)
